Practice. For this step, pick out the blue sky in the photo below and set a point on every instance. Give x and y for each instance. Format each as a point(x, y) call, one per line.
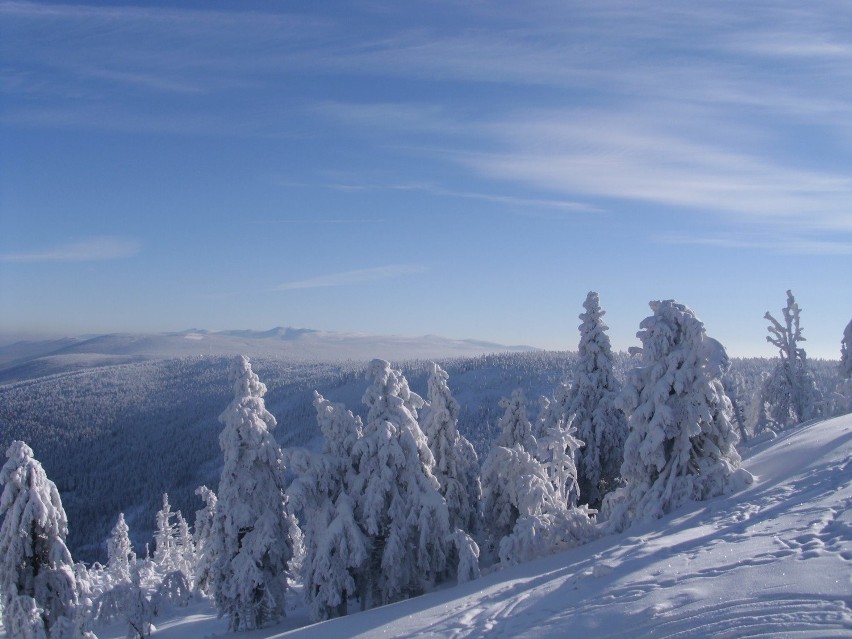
point(466, 169)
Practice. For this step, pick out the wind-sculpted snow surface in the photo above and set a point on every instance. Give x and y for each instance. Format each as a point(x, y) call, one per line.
point(772, 561)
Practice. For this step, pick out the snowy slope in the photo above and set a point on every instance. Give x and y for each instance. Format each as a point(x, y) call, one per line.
point(772, 561)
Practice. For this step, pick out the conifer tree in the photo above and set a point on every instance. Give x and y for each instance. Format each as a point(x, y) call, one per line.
point(398, 500)
point(843, 391)
point(456, 464)
point(164, 538)
point(790, 392)
point(254, 535)
point(37, 584)
point(515, 426)
point(335, 547)
point(204, 521)
point(846, 353)
point(120, 555)
point(681, 444)
point(591, 409)
point(184, 548)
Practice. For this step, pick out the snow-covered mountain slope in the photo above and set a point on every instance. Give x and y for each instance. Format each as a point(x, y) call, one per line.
point(24, 360)
point(774, 560)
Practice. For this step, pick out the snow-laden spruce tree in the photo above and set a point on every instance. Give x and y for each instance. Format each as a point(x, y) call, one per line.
point(681, 444)
point(515, 426)
point(37, 582)
point(456, 464)
point(204, 520)
point(184, 549)
point(843, 392)
point(165, 538)
point(398, 501)
point(120, 555)
point(790, 393)
point(499, 493)
point(254, 535)
point(846, 352)
point(525, 508)
point(558, 447)
point(335, 547)
point(524, 515)
point(591, 410)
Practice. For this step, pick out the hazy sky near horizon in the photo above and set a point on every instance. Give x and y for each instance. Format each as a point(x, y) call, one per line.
point(466, 169)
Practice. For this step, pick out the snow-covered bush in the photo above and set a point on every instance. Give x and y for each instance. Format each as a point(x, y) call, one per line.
point(456, 465)
point(790, 392)
point(174, 590)
point(128, 602)
point(397, 497)
point(37, 584)
point(254, 536)
point(681, 444)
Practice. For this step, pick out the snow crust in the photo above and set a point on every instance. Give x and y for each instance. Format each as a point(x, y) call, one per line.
point(773, 560)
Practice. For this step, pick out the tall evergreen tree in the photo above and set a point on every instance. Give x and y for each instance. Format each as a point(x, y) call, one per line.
point(843, 392)
point(846, 353)
point(790, 393)
point(120, 555)
point(335, 547)
point(456, 464)
point(398, 499)
point(37, 585)
point(682, 443)
point(165, 555)
point(591, 410)
point(204, 522)
point(254, 535)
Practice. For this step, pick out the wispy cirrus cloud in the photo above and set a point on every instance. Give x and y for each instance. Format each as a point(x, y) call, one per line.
point(668, 158)
point(95, 249)
point(357, 276)
point(794, 245)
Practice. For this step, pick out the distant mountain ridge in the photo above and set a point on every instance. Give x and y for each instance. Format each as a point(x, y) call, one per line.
point(26, 359)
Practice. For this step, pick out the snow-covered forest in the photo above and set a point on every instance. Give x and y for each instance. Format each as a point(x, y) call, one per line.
point(262, 485)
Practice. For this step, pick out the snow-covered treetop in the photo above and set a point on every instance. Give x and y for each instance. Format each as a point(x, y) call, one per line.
point(846, 353)
point(246, 382)
point(340, 428)
point(594, 342)
point(515, 426)
point(443, 407)
point(787, 336)
point(26, 487)
point(248, 393)
point(389, 396)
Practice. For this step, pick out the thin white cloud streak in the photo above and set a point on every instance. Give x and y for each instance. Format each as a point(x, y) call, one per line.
point(92, 250)
point(651, 157)
point(589, 49)
point(358, 276)
point(355, 184)
point(782, 245)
